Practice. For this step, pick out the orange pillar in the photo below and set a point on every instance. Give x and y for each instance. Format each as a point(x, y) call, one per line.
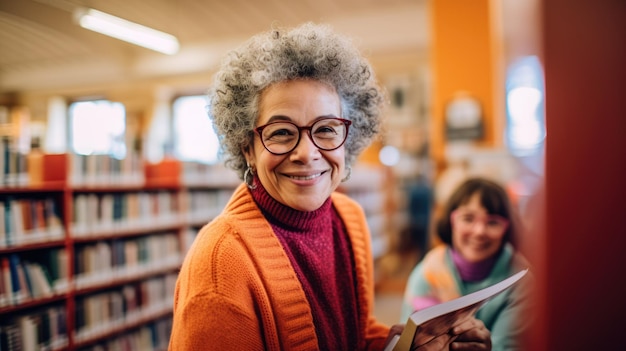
point(466, 57)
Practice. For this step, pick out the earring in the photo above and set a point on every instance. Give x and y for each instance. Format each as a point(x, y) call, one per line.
point(347, 177)
point(248, 177)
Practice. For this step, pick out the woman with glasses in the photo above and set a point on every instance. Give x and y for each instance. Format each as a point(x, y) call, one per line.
point(477, 228)
point(288, 263)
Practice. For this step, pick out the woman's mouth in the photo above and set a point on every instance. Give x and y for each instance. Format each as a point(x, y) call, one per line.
point(307, 177)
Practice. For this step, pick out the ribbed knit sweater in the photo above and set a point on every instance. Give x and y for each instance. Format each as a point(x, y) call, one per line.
point(238, 290)
point(317, 246)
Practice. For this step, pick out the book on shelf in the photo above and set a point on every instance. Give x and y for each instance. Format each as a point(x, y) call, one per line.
point(429, 323)
point(40, 329)
point(27, 221)
point(21, 280)
point(18, 283)
point(6, 297)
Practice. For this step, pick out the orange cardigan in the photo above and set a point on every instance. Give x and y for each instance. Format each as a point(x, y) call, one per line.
point(237, 289)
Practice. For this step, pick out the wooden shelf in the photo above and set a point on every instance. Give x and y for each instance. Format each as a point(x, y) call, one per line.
point(56, 183)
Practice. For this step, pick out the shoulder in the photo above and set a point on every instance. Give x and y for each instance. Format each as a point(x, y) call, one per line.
point(435, 272)
point(436, 257)
point(216, 246)
point(436, 266)
point(433, 263)
point(229, 243)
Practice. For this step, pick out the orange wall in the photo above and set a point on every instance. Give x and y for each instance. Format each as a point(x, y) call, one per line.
point(462, 60)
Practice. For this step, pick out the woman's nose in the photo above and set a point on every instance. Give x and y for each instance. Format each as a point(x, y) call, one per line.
point(305, 150)
point(479, 227)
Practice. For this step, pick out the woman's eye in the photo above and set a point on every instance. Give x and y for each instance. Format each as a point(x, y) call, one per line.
point(467, 218)
point(322, 131)
point(281, 132)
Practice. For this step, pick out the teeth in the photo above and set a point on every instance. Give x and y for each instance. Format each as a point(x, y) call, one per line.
point(307, 177)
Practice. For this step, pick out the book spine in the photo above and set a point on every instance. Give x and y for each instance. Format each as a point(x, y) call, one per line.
point(5, 291)
point(26, 285)
point(3, 228)
point(17, 222)
point(8, 222)
point(28, 331)
point(5, 269)
point(27, 220)
point(41, 285)
point(7, 161)
point(19, 290)
point(53, 216)
point(40, 217)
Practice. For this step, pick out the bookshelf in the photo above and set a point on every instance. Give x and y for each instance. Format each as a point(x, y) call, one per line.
point(90, 249)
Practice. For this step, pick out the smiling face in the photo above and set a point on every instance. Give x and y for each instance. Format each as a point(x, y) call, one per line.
point(477, 235)
point(305, 177)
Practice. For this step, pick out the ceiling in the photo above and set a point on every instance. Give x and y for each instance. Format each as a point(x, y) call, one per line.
point(42, 48)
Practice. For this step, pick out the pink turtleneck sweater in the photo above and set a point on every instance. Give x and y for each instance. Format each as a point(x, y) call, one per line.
point(473, 271)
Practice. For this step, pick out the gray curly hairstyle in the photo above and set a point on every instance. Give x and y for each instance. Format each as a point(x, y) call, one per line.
point(309, 51)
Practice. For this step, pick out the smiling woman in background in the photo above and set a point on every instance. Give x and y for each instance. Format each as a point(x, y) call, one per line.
point(478, 227)
point(288, 263)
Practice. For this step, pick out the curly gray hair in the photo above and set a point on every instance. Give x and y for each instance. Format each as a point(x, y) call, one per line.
point(309, 51)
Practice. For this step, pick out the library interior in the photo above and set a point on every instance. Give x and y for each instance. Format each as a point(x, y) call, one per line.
point(109, 164)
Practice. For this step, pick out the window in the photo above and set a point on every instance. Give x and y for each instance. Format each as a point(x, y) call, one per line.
point(525, 131)
point(194, 137)
point(98, 127)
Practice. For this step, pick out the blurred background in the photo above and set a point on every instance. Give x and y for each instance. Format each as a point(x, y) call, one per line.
point(527, 93)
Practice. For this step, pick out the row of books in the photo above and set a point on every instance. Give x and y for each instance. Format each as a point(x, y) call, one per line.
point(20, 168)
point(106, 261)
point(28, 277)
point(29, 220)
point(203, 205)
point(215, 175)
point(95, 213)
point(99, 170)
point(36, 220)
point(153, 336)
point(13, 164)
point(117, 309)
point(44, 329)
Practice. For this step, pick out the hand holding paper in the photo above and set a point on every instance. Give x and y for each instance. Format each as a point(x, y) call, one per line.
point(434, 328)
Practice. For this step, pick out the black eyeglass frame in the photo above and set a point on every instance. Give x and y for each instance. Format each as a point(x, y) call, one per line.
point(259, 131)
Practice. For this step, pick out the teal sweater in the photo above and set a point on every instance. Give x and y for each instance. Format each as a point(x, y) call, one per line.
point(507, 316)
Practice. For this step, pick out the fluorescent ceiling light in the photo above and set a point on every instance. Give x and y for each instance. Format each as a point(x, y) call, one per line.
point(122, 29)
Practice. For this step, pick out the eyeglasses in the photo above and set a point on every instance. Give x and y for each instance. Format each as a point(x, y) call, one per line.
point(282, 137)
point(493, 224)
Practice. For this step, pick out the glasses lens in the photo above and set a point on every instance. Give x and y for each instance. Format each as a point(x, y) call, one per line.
point(328, 134)
point(496, 222)
point(280, 137)
point(493, 223)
